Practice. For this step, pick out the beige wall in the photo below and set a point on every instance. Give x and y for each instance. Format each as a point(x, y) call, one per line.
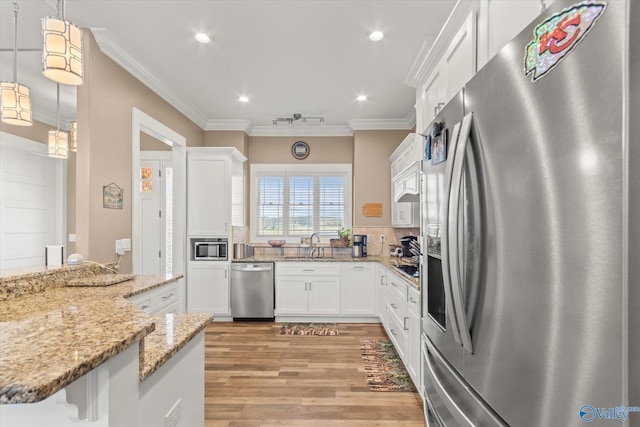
point(37, 132)
point(105, 103)
point(372, 173)
point(323, 149)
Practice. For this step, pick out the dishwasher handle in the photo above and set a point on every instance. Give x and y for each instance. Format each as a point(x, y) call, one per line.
point(252, 267)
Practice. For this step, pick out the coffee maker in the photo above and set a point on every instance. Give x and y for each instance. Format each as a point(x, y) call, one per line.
point(359, 245)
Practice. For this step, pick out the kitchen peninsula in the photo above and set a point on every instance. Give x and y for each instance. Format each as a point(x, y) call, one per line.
point(84, 353)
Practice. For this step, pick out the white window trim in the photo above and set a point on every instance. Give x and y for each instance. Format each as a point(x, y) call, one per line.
point(280, 169)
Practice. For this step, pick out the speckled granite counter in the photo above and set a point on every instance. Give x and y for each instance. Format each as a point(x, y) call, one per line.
point(387, 261)
point(52, 335)
point(173, 331)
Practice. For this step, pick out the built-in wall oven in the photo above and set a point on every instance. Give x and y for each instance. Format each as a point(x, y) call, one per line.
point(209, 249)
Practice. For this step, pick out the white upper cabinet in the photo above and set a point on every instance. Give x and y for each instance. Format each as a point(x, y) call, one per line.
point(214, 190)
point(475, 31)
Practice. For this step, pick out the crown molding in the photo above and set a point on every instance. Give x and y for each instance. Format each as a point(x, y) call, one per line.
point(427, 59)
point(123, 59)
point(229, 124)
point(385, 124)
point(301, 131)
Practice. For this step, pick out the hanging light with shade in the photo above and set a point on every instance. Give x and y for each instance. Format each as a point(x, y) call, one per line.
point(62, 50)
point(15, 102)
point(58, 141)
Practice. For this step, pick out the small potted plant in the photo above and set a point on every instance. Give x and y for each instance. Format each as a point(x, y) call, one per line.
point(344, 240)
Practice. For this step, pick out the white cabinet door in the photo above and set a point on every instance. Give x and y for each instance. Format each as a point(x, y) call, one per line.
point(358, 289)
point(291, 295)
point(208, 201)
point(208, 288)
point(405, 215)
point(324, 295)
point(381, 292)
point(460, 58)
point(413, 336)
point(434, 96)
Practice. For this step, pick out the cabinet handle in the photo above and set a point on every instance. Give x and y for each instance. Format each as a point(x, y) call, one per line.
point(360, 267)
point(404, 323)
point(393, 284)
point(412, 300)
point(225, 273)
point(166, 297)
point(393, 332)
point(144, 307)
point(308, 269)
point(382, 281)
point(393, 305)
point(309, 285)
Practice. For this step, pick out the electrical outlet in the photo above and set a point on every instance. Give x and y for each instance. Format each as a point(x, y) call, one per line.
point(173, 416)
point(126, 243)
point(382, 238)
point(120, 247)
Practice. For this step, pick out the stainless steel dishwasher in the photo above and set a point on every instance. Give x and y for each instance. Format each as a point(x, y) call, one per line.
point(252, 290)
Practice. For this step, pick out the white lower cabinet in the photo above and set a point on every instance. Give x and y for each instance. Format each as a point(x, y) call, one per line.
point(358, 289)
point(402, 323)
point(307, 289)
point(208, 288)
point(413, 361)
point(161, 300)
point(381, 292)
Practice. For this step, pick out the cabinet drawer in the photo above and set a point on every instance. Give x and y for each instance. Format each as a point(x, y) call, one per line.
point(167, 297)
point(397, 286)
point(143, 304)
point(397, 304)
point(413, 300)
point(398, 334)
point(308, 269)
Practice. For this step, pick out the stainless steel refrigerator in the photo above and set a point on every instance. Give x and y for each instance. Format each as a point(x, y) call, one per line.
point(531, 300)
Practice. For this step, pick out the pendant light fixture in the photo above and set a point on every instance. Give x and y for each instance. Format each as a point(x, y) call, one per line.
point(62, 51)
point(73, 141)
point(58, 140)
point(15, 102)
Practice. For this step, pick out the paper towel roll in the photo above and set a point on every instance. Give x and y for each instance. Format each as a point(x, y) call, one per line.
point(53, 255)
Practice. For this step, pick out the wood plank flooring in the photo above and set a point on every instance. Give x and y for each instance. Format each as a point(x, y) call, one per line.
point(255, 377)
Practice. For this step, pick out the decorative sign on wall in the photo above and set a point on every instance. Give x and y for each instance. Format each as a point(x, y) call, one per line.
point(112, 196)
point(372, 209)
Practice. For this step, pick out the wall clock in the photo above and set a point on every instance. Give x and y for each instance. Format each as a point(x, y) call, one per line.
point(300, 150)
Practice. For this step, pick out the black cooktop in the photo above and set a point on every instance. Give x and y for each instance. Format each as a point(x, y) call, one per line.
point(410, 270)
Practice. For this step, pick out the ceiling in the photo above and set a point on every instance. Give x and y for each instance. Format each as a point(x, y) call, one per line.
point(300, 56)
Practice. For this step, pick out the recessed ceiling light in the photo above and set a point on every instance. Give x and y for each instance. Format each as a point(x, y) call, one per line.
point(376, 36)
point(202, 38)
point(361, 98)
point(243, 99)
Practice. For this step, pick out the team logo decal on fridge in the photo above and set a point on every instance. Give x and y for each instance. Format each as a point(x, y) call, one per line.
point(558, 35)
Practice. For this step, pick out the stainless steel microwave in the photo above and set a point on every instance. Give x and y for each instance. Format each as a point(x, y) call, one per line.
point(209, 249)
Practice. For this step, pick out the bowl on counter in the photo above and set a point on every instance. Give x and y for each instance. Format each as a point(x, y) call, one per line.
point(276, 243)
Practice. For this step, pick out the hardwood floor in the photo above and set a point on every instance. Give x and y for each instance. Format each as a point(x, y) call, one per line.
point(255, 377)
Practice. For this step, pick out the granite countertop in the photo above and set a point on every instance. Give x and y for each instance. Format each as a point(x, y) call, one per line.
point(387, 261)
point(50, 338)
point(173, 331)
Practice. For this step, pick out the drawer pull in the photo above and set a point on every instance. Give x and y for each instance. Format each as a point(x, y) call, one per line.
point(393, 332)
point(359, 267)
point(393, 305)
point(413, 300)
point(393, 284)
point(166, 297)
point(308, 269)
point(404, 323)
point(144, 307)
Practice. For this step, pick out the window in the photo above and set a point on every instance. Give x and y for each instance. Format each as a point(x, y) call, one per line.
point(294, 201)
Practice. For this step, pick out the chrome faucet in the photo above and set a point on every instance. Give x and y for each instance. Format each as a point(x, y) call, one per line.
point(313, 249)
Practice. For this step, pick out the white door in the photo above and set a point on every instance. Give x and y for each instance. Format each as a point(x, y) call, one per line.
point(156, 210)
point(32, 202)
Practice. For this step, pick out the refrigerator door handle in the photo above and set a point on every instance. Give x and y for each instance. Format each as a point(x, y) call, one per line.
point(452, 322)
point(452, 235)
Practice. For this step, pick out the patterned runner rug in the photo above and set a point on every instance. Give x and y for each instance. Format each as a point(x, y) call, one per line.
point(383, 366)
point(309, 329)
